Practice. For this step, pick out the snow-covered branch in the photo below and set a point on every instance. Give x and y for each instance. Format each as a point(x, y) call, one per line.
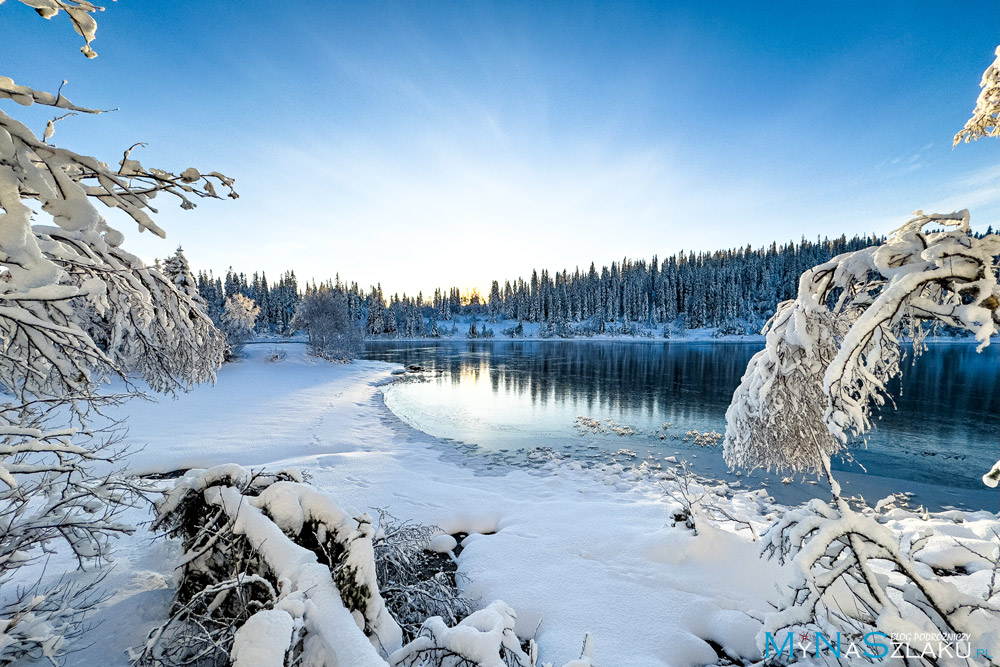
point(985, 120)
point(75, 308)
point(830, 353)
point(79, 13)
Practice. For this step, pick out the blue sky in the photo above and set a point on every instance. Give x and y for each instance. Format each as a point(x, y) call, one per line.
point(427, 144)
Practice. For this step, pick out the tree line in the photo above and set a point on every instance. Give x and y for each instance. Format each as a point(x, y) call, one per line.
point(735, 290)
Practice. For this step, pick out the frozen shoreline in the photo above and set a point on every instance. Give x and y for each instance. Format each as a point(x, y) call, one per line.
point(872, 487)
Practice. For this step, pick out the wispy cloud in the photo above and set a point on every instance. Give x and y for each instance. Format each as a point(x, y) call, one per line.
point(975, 191)
point(903, 164)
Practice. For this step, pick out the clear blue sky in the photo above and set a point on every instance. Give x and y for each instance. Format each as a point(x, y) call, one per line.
point(427, 144)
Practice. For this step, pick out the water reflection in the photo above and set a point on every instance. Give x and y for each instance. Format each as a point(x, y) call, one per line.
point(506, 396)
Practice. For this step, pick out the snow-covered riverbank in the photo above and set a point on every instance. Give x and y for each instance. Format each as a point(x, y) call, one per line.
point(572, 550)
point(457, 329)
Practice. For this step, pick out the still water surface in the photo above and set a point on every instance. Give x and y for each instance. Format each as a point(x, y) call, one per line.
point(508, 398)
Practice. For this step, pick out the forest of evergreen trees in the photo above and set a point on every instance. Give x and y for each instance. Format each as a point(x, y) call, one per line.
point(277, 301)
point(733, 290)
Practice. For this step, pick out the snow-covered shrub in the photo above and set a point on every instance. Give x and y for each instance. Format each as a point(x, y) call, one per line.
point(256, 542)
point(333, 334)
point(732, 327)
point(485, 638)
point(700, 501)
point(272, 567)
point(221, 581)
point(516, 331)
point(626, 329)
point(563, 330)
point(587, 329)
point(416, 583)
point(856, 575)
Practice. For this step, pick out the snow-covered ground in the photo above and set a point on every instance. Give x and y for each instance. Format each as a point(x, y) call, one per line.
point(572, 551)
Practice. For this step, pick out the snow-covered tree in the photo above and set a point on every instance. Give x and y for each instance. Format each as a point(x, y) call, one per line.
point(76, 308)
point(238, 318)
point(333, 333)
point(828, 358)
point(830, 353)
point(178, 271)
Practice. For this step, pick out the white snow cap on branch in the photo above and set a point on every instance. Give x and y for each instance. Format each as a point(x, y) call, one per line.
point(79, 12)
point(75, 308)
point(992, 478)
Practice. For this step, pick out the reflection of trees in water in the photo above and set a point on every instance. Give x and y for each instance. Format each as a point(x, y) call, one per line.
point(652, 378)
point(949, 410)
point(684, 380)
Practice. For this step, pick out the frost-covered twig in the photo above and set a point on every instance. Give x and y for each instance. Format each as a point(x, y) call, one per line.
point(39, 622)
point(415, 582)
